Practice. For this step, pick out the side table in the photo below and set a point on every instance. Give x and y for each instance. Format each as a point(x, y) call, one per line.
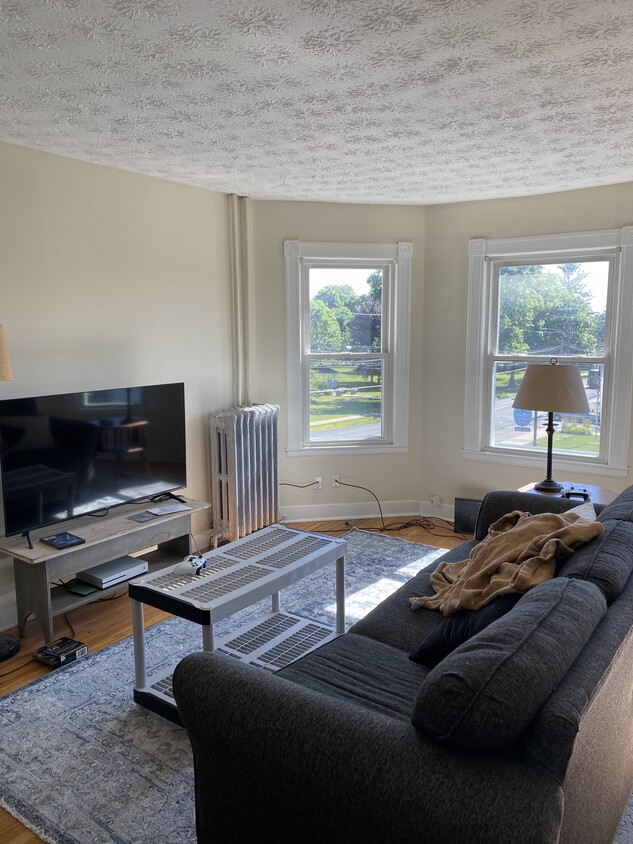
point(597, 494)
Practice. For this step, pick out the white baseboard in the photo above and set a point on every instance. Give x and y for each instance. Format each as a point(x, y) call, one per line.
point(365, 510)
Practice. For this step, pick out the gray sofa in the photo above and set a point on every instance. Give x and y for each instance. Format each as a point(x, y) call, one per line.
point(524, 733)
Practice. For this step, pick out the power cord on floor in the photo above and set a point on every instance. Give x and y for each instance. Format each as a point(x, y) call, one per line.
point(18, 667)
point(422, 522)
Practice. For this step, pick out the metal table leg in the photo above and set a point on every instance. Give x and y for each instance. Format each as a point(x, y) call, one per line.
point(138, 635)
point(340, 595)
point(207, 638)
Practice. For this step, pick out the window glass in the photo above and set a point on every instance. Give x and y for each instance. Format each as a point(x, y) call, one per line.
point(345, 309)
point(576, 433)
point(552, 309)
point(557, 310)
point(345, 394)
point(345, 399)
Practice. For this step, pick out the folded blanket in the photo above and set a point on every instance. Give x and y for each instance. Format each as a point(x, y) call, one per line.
point(520, 551)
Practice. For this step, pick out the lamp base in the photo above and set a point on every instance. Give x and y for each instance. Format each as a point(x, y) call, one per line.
point(548, 485)
point(9, 646)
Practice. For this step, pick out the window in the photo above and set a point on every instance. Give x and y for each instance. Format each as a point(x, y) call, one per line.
point(347, 333)
point(568, 297)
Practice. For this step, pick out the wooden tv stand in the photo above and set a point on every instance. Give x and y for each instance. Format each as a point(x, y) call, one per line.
point(107, 538)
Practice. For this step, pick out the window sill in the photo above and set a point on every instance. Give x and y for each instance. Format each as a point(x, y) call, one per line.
point(538, 462)
point(345, 450)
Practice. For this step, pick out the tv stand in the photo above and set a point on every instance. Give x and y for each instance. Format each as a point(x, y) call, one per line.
point(27, 536)
point(36, 567)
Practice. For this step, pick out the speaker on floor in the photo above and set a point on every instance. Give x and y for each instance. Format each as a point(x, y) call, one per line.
point(9, 646)
point(466, 512)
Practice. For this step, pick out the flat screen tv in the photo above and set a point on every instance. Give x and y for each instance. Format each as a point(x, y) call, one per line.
point(75, 454)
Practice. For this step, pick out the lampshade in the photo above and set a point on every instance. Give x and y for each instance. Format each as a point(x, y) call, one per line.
point(5, 364)
point(552, 387)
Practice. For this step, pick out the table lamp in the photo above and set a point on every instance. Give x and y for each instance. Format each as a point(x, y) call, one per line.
point(9, 645)
point(554, 389)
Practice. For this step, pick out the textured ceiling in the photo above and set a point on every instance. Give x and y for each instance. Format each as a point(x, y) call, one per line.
point(405, 101)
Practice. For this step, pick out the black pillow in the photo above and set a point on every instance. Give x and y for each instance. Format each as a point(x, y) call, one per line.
point(459, 627)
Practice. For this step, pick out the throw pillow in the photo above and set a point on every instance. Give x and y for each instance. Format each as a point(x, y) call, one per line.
point(486, 692)
point(458, 628)
point(586, 511)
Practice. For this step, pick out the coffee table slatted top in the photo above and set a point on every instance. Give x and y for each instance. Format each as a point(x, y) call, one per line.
point(266, 561)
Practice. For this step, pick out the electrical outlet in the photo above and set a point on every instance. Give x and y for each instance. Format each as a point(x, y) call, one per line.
point(318, 481)
point(336, 481)
point(435, 499)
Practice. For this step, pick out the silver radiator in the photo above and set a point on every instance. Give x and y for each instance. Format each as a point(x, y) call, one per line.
point(244, 470)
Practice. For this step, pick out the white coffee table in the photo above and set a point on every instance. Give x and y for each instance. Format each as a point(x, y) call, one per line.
point(236, 576)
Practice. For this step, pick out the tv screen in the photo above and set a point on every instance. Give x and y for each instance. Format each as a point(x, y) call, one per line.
point(73, 454)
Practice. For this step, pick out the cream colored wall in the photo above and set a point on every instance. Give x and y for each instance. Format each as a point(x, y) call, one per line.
point(440, 236)
point(396, 477)
point(448, 229)
point(108, 279)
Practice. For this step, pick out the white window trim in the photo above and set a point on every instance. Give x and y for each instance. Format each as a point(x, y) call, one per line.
point(476, 415)
point(399, 255)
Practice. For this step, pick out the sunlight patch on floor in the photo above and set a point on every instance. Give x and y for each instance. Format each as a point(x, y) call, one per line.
point(360, 603)
point(412, 568)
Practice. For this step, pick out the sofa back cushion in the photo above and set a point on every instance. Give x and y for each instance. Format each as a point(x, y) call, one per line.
point(487, 691)
point(606, 561)
point(621, 508)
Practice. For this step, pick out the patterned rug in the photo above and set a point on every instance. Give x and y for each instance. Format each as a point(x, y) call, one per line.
point(81, 764)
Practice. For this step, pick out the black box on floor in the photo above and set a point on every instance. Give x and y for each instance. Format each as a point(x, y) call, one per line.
point(61, 652)
point(466, 512)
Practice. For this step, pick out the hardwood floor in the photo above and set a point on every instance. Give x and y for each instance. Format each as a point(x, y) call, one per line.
point(103, 623)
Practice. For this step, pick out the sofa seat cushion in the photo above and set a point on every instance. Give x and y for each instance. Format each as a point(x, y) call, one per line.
point(394, 622)
point(606, 561)
point(361, 670)
point(487, 691)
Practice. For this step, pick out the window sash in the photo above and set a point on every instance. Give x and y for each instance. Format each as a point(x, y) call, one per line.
point(395, 262)
point(494, 356)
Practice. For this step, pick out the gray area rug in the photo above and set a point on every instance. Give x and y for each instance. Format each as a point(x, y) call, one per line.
point(81, 764)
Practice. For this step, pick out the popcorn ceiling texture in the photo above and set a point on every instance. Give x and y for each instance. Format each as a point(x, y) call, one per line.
point(387, 101)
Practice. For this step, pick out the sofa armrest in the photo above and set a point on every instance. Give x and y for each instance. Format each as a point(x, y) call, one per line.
point(272, 755)
point(499, 502)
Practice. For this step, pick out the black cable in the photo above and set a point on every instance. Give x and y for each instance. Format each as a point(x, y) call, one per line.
point(421, 522)
point(193, 539)
point(18, 667)
point(356, 486)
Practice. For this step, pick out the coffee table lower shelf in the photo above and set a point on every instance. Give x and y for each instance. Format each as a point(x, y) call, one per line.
point(270, 642)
